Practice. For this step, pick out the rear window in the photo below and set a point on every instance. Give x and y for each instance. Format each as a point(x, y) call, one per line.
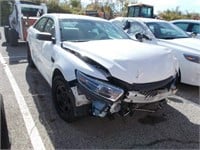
point(31, 12)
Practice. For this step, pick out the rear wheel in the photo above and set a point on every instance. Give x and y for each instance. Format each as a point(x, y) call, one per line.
point(63, 99)
point(13, 37)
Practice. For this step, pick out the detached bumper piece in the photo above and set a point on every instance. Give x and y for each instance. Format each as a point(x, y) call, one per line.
point(99, 108)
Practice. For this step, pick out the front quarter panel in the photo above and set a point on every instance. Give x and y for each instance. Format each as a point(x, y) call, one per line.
point(190, 72)
point(67, 63)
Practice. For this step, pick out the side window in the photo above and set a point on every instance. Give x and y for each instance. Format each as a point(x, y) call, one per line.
point(135, 28)
point(40, 24)
point(196, 28)
point(146, 12)
point(130, 11)
point(182, 25)
point(136, 12)
point(50, 27)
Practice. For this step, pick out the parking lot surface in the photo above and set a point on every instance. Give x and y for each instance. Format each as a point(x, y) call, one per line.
point(176, 126)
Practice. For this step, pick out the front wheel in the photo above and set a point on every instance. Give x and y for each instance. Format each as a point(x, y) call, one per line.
point(63, 99)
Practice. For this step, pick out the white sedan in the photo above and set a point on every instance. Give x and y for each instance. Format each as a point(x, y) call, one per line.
point(190, 26)
point(93, 67)
point(160, 32)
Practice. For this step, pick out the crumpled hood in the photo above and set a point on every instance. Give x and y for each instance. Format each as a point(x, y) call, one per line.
point(187, 44)
point(128, 60)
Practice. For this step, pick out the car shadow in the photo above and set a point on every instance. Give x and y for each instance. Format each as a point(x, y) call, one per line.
point(168, 128)
point(189, 92)
point(17, 54)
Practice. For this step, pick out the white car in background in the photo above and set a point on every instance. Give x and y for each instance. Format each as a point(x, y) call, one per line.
point(160, 32)
point(190, 26)
point(93, 67)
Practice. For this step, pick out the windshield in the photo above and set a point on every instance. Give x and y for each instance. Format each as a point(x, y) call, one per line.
point(87, 30)
point(31, 12)
point(165, 30)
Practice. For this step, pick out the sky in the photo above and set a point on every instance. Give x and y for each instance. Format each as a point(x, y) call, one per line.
point(184, 5)
point(161, 5)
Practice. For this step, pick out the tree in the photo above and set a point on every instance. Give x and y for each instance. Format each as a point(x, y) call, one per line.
point(55, 7)
point(177, 14)
point(76, 6)
point(75, 3)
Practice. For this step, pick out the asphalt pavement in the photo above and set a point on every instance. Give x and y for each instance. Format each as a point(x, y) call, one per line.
point(176, 126)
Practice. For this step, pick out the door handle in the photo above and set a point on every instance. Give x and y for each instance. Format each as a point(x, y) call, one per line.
point(52, 59)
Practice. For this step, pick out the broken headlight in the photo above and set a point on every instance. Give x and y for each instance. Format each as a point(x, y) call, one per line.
point(98, 87)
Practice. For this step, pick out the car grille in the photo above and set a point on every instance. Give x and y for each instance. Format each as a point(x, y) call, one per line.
point(146, 87)
point(150, 93)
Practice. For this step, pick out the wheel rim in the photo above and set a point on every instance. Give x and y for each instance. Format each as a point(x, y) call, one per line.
point(63, 99)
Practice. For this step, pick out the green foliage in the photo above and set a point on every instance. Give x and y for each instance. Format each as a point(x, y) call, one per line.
point(75, 6)
point(55, 7)
point(75, 3)
point(177, 14)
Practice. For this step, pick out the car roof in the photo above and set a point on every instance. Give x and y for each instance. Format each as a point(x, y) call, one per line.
point(72, 16)
point(140, 19)
point(186, 20)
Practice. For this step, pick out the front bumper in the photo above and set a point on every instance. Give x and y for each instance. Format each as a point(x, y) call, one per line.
point(102, 106)
point(152, 96)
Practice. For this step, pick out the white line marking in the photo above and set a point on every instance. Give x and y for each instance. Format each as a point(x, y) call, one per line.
point(32, 130)
point(189, 109)
point(14, 57)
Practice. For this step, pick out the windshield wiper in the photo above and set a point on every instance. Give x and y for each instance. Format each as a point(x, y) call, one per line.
point(78, 40)
point(182, 37)
point(168, 38)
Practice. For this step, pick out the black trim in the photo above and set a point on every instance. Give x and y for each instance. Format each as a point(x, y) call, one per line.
point(52, 59)
point(28, 2)
point(73, 83)
point(142, 87)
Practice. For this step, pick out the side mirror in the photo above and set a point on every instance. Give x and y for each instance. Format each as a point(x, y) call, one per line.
point(193, 34)
point(141, 36)
point(127, 25)
point(44, 36)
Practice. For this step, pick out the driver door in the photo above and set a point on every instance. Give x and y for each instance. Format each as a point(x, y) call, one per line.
point(47, 50)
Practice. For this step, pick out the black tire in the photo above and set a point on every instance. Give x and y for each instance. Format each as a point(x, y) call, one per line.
point(63, 99)
point(5, 143)
point(13, 37)
point(6, 29)
point(29, 57)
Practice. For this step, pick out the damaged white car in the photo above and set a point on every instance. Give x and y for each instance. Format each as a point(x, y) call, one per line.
point(95, 68)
